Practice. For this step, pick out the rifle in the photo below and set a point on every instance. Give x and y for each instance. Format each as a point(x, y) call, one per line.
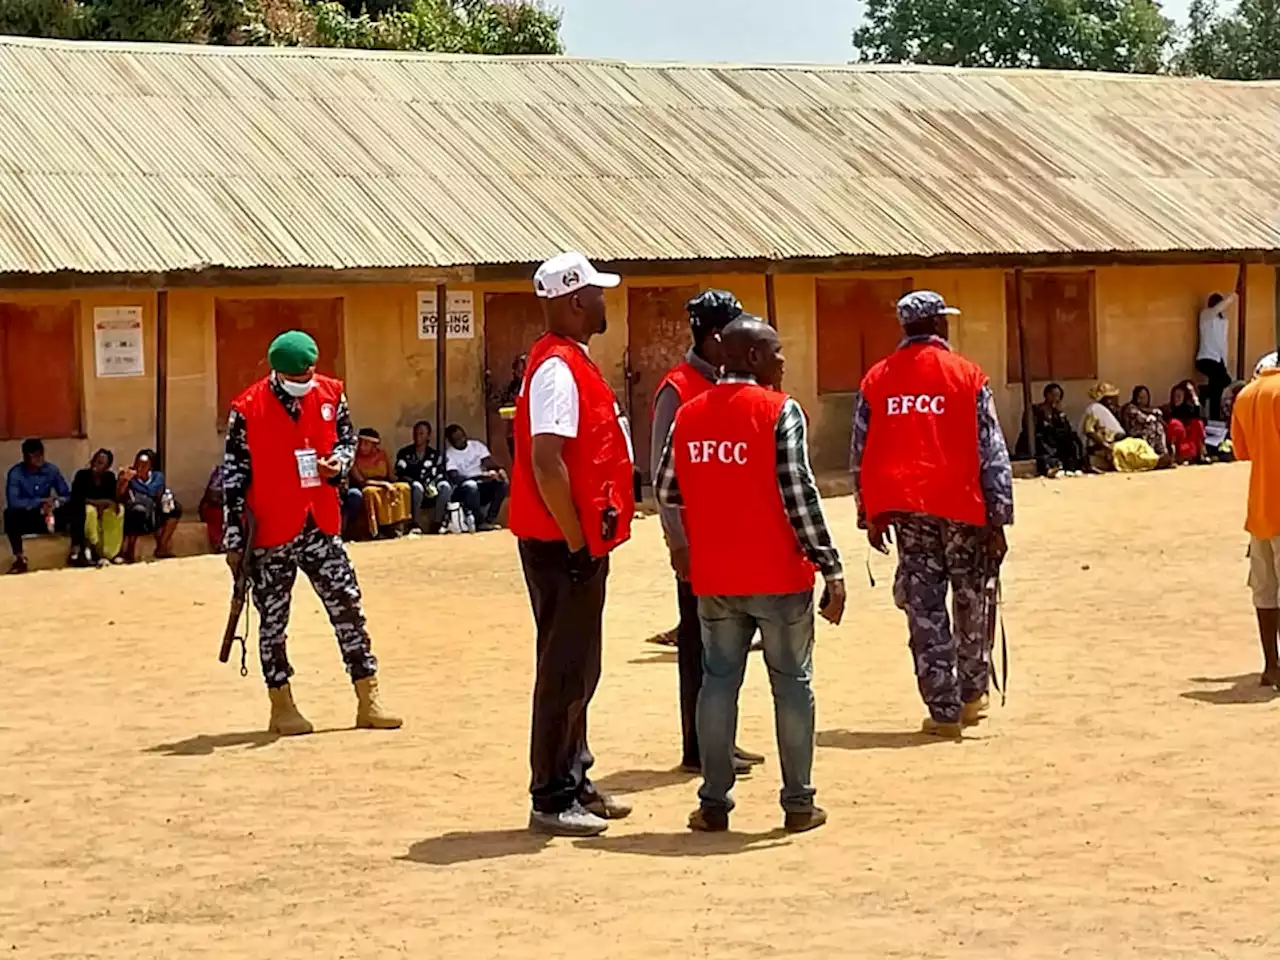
point(239, 596)
point(992, 601)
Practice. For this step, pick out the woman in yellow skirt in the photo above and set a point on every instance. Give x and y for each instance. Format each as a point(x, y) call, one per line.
point(387, 504)
point(97, 518)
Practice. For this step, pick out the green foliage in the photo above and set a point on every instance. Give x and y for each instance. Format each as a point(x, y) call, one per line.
point(1130, 36)
point(457, 26)
point(1241, 45)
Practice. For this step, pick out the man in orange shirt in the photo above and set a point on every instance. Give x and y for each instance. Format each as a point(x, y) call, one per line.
point(1255, 434)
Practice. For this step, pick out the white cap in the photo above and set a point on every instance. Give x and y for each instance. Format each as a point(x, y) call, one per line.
point(566, 272)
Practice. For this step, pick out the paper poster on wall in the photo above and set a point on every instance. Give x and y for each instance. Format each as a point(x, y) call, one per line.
point(117, 341)
point(461, 324)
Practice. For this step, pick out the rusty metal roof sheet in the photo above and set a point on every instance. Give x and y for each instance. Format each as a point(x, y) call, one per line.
point(118, 158)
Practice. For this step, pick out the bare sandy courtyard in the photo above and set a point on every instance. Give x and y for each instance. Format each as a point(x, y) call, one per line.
point(1123, 804)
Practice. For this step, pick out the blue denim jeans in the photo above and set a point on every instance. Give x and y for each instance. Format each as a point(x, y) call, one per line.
point(439, 505)
point(785, 622)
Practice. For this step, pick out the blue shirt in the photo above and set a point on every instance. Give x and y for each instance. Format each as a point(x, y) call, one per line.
point(27, 489)
point(151, 487)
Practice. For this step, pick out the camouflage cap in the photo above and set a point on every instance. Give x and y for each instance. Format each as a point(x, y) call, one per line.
point(921, 305)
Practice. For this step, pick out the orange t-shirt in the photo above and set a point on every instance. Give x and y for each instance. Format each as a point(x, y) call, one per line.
point(1255, 436)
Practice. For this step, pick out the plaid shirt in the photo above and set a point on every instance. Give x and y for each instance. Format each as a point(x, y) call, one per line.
point(795, 482)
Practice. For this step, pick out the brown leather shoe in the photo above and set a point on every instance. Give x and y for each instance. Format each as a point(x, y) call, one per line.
point(975, 711)
point(798, 821)
point(705, 820)
point(607, 807)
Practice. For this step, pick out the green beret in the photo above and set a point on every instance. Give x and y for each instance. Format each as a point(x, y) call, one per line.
point(292, 353)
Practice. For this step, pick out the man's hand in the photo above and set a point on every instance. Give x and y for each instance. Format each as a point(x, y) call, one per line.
point(328, 467)
point(582, 565)
point(997, 545)
point(234, 558)
point(878, 536)
point(833, 598)
point(680, 562)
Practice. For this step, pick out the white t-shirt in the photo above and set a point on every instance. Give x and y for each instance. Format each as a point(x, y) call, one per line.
point(1213, 330)
point(553, 399)
point(553, 402)
point(467, 461)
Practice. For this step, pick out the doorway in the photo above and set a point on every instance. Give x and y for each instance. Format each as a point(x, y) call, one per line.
point(657, 339)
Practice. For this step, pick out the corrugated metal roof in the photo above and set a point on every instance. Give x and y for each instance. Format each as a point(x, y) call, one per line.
point(139, 159)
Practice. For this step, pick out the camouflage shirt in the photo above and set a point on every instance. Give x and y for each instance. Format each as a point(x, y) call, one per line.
point(995, 471)
point(237, 471)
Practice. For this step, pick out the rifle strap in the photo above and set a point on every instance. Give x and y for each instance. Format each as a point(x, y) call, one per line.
point(1002, 682)
point(241, 637)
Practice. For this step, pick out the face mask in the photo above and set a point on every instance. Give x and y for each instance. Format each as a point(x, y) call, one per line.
point(296, 389)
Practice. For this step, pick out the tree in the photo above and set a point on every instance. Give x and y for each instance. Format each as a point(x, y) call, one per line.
point(1130, 36)
point(457, 26)
point(1241, 45)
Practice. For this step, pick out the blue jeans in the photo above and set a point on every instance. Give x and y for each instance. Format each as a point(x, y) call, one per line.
point(439, 506)
point(482, 497)
point(785, 622)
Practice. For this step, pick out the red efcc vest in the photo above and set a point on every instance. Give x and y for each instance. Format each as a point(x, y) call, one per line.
point(686, 381)
point(921, 454)
point(725, 451)
point(601, 474)
point(277, 499)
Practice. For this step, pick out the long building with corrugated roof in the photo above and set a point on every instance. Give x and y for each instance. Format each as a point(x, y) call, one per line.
point(165, 210)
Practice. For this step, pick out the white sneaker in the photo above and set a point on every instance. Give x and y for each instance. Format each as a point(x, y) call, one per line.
point(573, 822)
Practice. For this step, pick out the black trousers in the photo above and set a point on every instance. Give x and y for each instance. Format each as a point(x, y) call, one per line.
point(19, 523)
point(689, 664)
point(569, 618)
point(1219, 380)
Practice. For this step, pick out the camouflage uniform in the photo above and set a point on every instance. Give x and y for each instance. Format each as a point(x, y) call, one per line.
point(322, 557)
point(952, 654)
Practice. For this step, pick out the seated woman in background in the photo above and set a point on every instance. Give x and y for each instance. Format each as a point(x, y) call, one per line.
point(1058, 447)
point(1184, 424)
point(211, 509)
point(97, 519)
point(387, 505)
point(1106, 443)
point(1142, 420)
point(149, 507)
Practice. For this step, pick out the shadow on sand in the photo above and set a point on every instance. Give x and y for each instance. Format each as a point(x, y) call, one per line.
point(638, 781)
point(467, 846)
point(203, 744)
point(876, 739)
point(686, 843)
point(1244, 688)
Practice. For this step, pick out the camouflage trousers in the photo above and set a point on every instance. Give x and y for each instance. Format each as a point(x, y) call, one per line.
point(324, 560)
point(952, 654)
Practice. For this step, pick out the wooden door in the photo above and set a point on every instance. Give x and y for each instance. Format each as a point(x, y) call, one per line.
point(512, 321)
point(857, 323)
point(657, 339)
point(245, 329)
point(39, 371)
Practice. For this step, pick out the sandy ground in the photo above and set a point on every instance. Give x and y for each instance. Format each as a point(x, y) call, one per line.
point(1122, 804)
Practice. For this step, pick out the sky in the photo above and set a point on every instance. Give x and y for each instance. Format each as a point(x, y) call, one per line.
point(742, 31)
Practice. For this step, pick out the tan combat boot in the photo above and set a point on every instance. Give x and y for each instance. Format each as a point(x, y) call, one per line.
point(938, 728)
point(975, 711)
point(370, 714)
point(286, 719)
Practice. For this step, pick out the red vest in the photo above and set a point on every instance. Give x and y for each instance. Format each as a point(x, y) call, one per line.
point(725, 451)
point(277, 499)
point(686, 381)
point(921, 454)
point(601, 474)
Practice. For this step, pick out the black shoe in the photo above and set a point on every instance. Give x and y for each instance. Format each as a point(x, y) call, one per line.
point(706, 820)
point(748, 756)
point(798, 821)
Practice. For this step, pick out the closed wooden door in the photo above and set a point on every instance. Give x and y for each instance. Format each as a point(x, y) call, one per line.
point(245, 328)
point(657, 339)
point(512, 321)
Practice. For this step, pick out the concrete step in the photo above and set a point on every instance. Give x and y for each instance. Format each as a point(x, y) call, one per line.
point(50, 553)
